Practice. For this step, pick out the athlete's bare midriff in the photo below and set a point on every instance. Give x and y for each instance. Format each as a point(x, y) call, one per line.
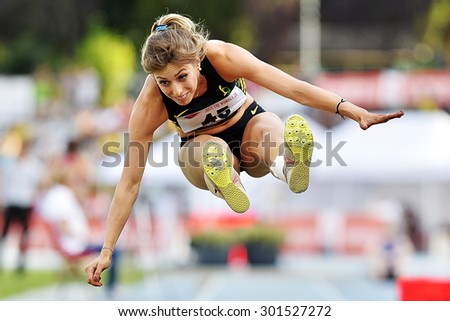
point(222, 126)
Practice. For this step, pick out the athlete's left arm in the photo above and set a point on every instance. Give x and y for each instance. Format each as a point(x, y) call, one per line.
point(232, 62)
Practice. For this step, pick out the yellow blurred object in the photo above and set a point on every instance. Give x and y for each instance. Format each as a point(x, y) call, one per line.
point(12, 144)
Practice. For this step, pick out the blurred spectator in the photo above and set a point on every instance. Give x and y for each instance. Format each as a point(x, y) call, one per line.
point(393, 245)
point(22, 176)
point(389, 254)
point(78, 169)
point(60, 207)
point(45, 89)
point(80, 87)
point(413, 229)
point(102, 121)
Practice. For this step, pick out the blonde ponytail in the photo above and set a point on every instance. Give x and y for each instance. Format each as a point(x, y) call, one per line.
point(173, 20)
point(173, 39)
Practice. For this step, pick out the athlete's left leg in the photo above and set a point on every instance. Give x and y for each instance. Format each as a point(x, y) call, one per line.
point(262, 142)
point(208, 163)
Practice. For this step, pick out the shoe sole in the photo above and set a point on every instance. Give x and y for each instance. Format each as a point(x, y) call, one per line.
point(299, 139)
point(217, 166)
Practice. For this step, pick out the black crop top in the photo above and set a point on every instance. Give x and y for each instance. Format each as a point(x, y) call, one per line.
point(220, 101)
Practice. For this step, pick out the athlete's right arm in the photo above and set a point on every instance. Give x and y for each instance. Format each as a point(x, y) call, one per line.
point(147, 115)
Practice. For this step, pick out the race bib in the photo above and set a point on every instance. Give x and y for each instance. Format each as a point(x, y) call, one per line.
point(213, 114)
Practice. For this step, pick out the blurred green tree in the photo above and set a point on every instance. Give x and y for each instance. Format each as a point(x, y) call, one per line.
point(41, 32)
point(134, 18)
point(48, 32)
point(23, 54)
point(114, 57)
point(437, 30)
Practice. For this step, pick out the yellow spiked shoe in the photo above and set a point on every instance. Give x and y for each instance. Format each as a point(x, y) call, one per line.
point(218, 168)
point(299, 143)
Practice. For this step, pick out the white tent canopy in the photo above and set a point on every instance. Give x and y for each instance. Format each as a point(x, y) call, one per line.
point(413, 148)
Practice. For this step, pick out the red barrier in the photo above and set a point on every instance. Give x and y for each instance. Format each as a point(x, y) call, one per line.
point(423, 289)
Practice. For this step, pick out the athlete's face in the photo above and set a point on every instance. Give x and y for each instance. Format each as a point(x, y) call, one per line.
point(179, 82)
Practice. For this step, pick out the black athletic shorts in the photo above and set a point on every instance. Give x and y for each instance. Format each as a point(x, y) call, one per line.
point(233, 135)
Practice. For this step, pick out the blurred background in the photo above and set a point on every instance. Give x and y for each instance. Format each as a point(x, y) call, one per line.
point(374, 224)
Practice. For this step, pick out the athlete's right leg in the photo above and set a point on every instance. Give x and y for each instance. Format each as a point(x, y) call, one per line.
point(208, 163)
point(261, 151)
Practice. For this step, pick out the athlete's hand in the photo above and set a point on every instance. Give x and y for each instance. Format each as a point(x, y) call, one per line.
point(95, 269)
point(369, 119)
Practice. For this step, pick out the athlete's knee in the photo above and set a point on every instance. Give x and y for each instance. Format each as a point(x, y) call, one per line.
point(257, 171)
point(208, 138)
